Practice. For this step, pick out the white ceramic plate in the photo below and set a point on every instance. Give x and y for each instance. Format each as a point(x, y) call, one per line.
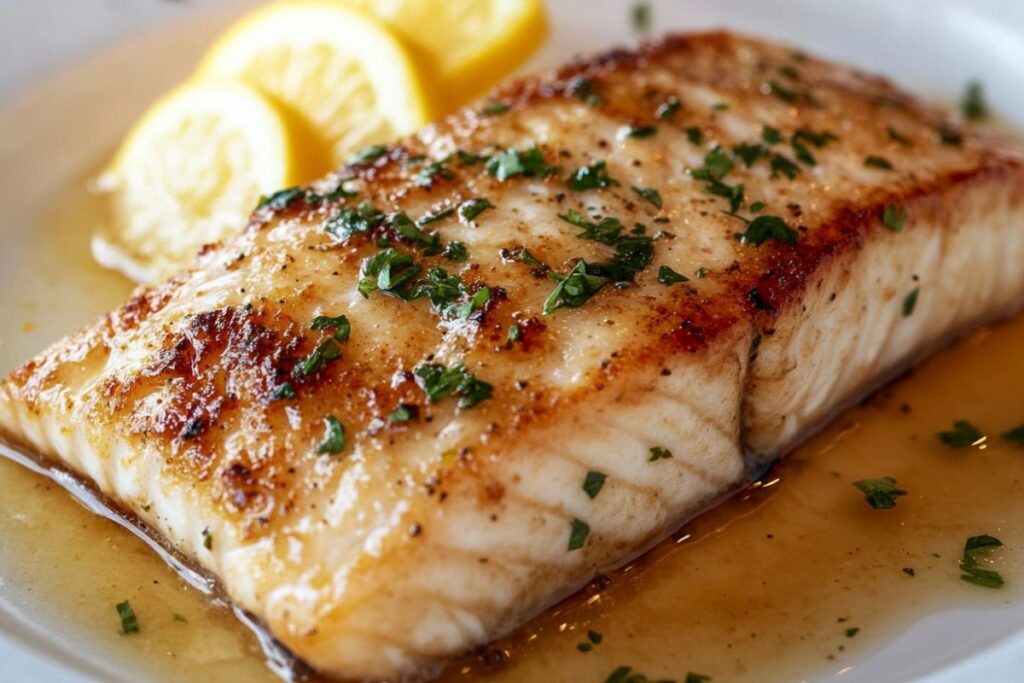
point(68, 96)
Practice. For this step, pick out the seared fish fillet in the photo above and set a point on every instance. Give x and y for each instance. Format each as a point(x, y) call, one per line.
point(689, 256)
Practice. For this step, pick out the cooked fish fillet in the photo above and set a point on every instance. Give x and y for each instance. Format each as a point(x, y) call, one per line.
point(769, 237)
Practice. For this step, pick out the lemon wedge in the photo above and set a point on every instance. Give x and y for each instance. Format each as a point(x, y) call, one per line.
point(335, 66)
point(469, 45)
point(189, 173)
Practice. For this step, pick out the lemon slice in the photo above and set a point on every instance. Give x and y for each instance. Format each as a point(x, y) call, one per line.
point(191, 171)
point(469, 44)
point(342, 71)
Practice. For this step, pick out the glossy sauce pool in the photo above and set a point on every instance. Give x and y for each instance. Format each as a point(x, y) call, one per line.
point(795, 577)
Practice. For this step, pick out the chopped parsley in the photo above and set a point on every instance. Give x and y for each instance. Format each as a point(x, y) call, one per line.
point(280, 199)
point(782, 92)
point(578, 533)
point(439, 382)
point(852, 631)
point(323, 354)
point(456, 251)
point(977, 549)
point(593, 483)
point(1015, 435)
point(949, 136)
point(717, 164)
point(881, 494)
point(649, 195)
point(695, 135)
point(129, 621)
point(388, 271)
point(515, 333)
point(426, 176)
point(448, 295)
point(899, 137)
point(367, 154)
point(641, 15)
point(757, 207)
point(894, 216)
point(471, 208)
point(639, 131)
point(575, 289)
point(591, 177)
point(334, 438)
point(403, 412)
point(667, 276)
point(962, 435)
point(284, 390)
point(658, 453)
point(771, 135)
point(973, 104)
point(633, 252)
point(340, 324)
point(702, 273)
point(783, 165)
point(764, 228)
point(910, 302)
point(668, 109)
point(513, 162)
point(750, 153)
point(878, 162)
point(583, 89)
point(494, 108)
point(435, 216)
point(349, 221)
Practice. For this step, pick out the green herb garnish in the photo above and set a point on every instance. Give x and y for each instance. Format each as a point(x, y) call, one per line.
point(649, 195)
point(368, 154)
point(658, 453)
point(641, 15)
point(750, 153)
point(973, 104)
point(494, 108)
point(764, 228)
point(668, 109)
point(435, 216)
point(456, 251)
point(574, 289)
point(512, 162)
point(471, 208)
point(388, 271)
point(878, 162)
point(129, 621)
point(783, 165)
point(639, 131)
point(894, 216)
point(578, 534)
point(667, 276)
point(342, 328)
point(910, 302)
point(403, 412)
point(591, 177)
point(280, 199)
point(963, 434)
point(349, 221)
point(593, 483)
point(323, 354)
point(771, 136)
point(976, 549)
point(334, 439)
point(695, 135)
point(439, 382)
point(881, 494)
point(284, 390)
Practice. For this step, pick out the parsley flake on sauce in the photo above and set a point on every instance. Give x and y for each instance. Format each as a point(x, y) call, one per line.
point(578, 533)
point(334, 437)
point(878, 162)
point(638, 131)
point(494, 108)
point(962, 435)
point(574, 290)
point(350, 221)
point(976, 549)
point(1015, 435)
point(323, 354)
point(403, 412)
point(367, 154)
point(129, 620)
point(695, 135)
point(881, 494)
point(284, 390)
point(593, 483)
